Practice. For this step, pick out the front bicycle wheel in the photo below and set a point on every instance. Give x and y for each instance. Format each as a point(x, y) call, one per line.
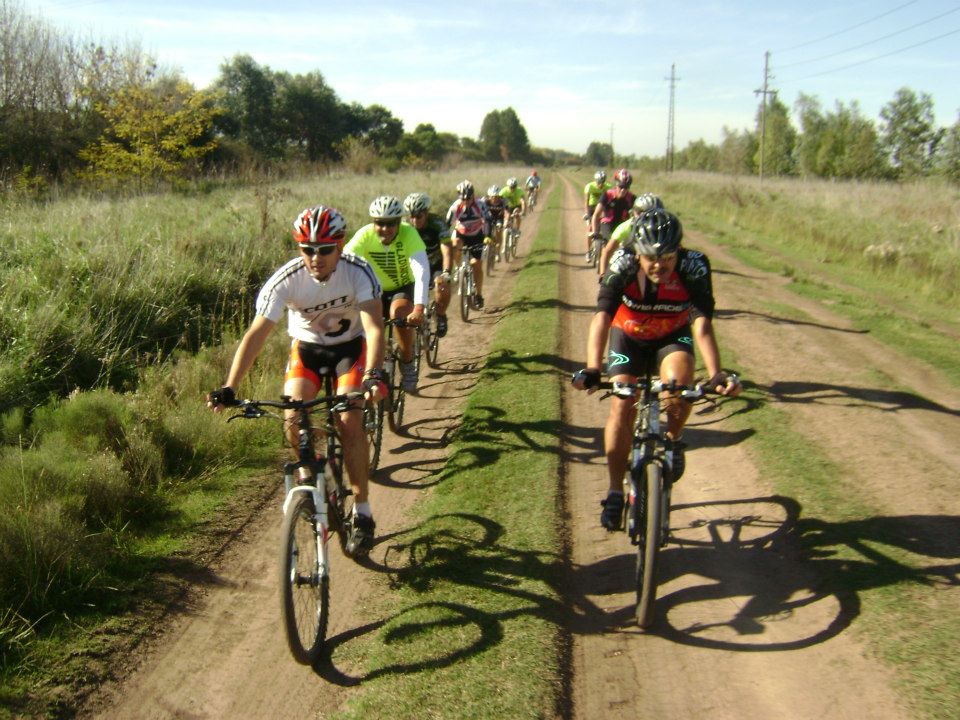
point(397, 397)
point(373, 425)
point(489, 258)
point(597, 249)
point(466, 294)
point(648, 517)
point(432, 344)
point(304, 594)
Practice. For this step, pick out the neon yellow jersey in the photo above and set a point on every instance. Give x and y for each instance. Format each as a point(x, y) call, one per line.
point(391, 263)
point(513, 197)
point(594, 191)
point(621, 233)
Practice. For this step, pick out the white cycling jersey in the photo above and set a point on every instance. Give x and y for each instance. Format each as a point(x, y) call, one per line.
point(325, 313)
point(533, 182)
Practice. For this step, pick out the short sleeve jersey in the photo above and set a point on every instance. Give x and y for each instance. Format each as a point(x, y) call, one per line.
point(615, 209)
point(325, 313)
point(647, 311)
point(592, 191)
point(434, 234)
point(391, 263)
point(513, 197)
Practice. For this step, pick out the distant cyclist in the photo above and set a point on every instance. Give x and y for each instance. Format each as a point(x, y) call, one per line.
point(334, 317)
point(469, 224)
point(436, 237)
point(516, 205)
point(591, 196)
point(653, 307)
point(614, 205)
point(622, 233)
point(532, 185)
point(399, 257)
point(495, 208)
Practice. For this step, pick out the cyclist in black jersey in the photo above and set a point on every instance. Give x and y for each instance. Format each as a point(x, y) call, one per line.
point(436, 236)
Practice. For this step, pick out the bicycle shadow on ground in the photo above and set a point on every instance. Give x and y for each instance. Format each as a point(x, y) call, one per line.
point(778, 320)
point(883, 399)
point(767, 579)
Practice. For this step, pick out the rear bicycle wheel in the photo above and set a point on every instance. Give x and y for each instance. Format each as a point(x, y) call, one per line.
point(648, 517)
point(304, 594)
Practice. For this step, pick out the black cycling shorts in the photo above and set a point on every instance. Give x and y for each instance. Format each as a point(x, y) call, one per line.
point(472, 244)
point(400, 293)
point(627, 356)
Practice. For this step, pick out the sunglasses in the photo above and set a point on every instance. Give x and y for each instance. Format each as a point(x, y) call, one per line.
point(386, 223)
point(311, 250)
point(417, 216)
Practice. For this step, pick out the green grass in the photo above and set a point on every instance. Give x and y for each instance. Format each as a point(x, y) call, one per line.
point(473, 609)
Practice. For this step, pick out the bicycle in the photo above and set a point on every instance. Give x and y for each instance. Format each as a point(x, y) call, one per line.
point(314, 506)
point(429, 341)
point(648, 481)
point(396, 400)
point(489, 256)
point(511, 238)
point(532, 194)
point(596, 247)
point(466, 287)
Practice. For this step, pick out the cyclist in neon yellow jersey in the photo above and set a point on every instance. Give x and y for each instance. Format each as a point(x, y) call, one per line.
point(513, 194)
point(398, 256)
point(591, 196)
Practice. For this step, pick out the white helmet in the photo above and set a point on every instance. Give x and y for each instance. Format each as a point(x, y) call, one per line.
point(465, 190)
point(493, 190)
point(511, 183)
point(386, 207)
point(416, 203)
point(647, 201)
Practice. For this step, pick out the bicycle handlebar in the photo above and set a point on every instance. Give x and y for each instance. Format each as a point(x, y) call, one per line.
point(252, 409)
point(629, 390)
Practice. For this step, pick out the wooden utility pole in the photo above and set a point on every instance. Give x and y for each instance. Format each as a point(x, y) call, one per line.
point(668, 158)
point(764, 91)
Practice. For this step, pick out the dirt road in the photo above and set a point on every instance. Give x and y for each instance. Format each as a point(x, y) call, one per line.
point(744, 629)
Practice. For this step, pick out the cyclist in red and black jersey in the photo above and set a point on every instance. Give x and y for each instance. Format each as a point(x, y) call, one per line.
point(614, 205)
point(653, 307)
point(494, 208)
point(469, 224)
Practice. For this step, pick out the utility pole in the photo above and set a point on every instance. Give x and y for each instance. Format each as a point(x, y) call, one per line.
point(613, 156)
point(668, 157)
point(763, 108)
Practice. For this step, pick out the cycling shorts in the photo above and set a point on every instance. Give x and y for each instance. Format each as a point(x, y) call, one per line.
point(345, 362)
point(401, 293)
point(627, 356)
point(473, 244)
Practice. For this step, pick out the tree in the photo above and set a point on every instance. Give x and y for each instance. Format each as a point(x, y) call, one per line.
point(737, 150)
point(309, 114)
point(248, 100)
point(812, 126)
point(599, 154)
point(779, 139)
point(153, 132)
point(908, 133)
point(503, 137)
point(491, 137)
point(949, 153)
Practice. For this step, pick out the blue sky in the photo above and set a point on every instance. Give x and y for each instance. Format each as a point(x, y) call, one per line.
point(571, 70)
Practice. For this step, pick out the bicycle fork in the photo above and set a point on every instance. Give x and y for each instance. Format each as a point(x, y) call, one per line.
point(320, 517)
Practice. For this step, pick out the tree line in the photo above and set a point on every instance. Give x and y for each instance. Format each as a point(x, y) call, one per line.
point(108, 114)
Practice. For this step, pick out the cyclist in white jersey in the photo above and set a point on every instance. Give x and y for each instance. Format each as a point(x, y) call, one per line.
point(335, 320)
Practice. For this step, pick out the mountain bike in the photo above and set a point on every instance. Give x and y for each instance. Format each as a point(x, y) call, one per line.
point(396, 400)
point(466, 287)
point(429, 341)
point(596, 247)
point(511, 237)
point(489, 256)
point(532, 194)
point(315, 505)
point(647, 483)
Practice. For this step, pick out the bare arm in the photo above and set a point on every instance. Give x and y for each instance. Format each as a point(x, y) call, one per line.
point(706, 342)
point(247, 352)
point(371, 317)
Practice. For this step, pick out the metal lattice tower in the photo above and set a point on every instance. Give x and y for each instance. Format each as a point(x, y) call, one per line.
point(668, 158)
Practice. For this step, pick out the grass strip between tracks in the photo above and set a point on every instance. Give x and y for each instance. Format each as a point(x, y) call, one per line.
point(471, 625)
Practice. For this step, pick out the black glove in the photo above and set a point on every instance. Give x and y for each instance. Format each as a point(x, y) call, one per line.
point(373, 379)
point(224, 396)
point(591, 378)
point(720, 379)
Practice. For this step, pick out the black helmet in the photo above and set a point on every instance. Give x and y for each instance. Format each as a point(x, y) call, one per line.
point(657, 232)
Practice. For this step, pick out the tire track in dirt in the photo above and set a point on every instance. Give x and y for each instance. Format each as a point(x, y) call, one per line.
point(223, 653)
point(743, 627)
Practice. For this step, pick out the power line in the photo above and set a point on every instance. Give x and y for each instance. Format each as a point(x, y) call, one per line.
point(871, 42)
point(848, 29)
point(878, 57)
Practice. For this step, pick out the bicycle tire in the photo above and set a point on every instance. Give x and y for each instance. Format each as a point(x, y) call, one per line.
point(649, 517)
point(466, 291)
point(396, 396)
point(373, 424)
point(432, 346)
point(489, 258)
point(305, 596)
point(597, 250)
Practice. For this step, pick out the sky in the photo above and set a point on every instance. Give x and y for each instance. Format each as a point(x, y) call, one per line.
point(575, 72)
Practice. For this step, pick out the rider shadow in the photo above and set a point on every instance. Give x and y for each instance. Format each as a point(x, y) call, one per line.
point(883, 399)
point(778, 320)
point(791, 582)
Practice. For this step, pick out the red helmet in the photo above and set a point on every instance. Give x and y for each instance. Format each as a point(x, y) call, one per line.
point(319, 225)
point(623, 178)
point(533, 172)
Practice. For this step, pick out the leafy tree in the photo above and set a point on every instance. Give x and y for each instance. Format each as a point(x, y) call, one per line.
point(949, 153)
point(503, 137)
point(850, 146)
point(153, 132)
point(737, 150)
point(248, 100)
point(908, 134)
point(698, 155)
point(779, 139)
point(812, 126)
point(599, 154)
point(309, 114)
